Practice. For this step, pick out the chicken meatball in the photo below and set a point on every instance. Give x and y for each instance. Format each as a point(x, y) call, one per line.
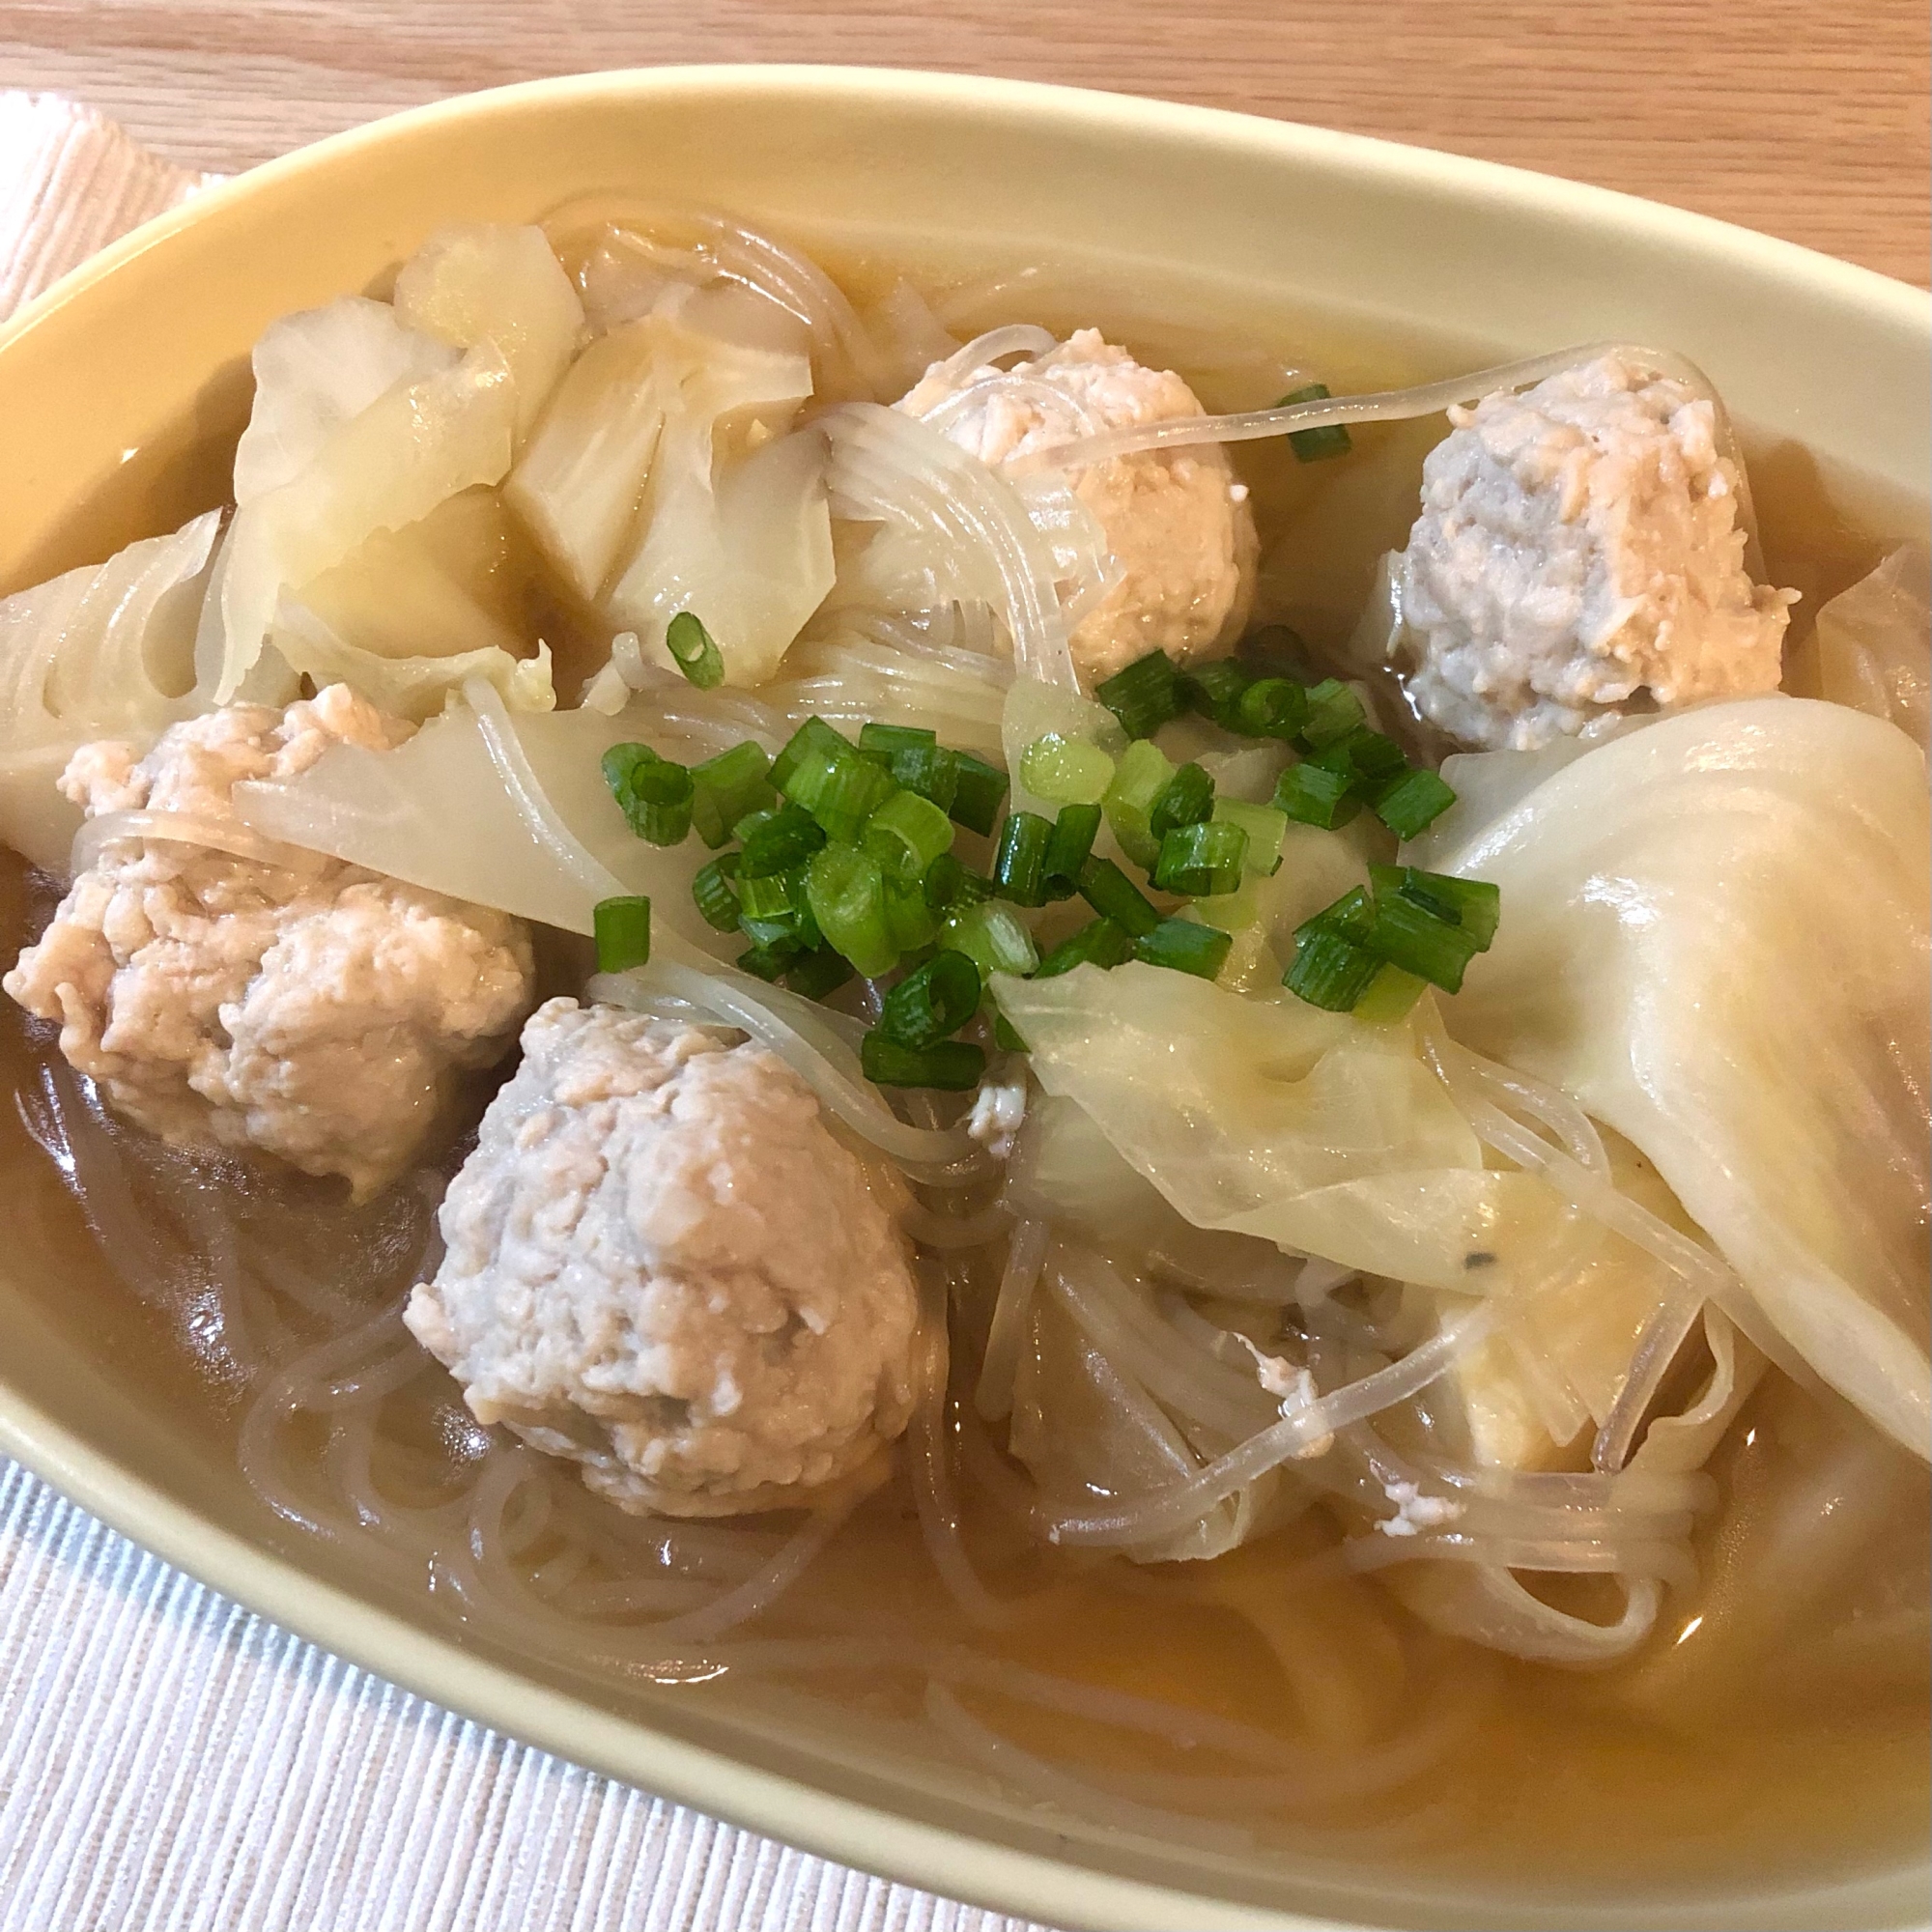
point(1177, 524)
point(661, 1265)
point(286, 1002)
point(1580, 556)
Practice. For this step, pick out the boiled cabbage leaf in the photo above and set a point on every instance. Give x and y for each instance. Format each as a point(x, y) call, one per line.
point(1714, 938)
point(1871, 648)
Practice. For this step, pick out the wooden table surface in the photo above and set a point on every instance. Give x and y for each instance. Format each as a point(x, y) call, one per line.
point(1806, 117)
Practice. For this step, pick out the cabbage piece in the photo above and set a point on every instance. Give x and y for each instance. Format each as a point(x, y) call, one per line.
point(1714, 938)
point(488, 282)
point(1871, 648)
point(413, 687)
point(1313, 1131)
point(505, 809)
point(412, 448)
point(749, 552)
point(316, 370)
point(459, 580)
point(106, 651)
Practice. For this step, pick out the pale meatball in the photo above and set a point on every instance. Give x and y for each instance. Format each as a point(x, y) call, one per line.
point(1578, 556)
point(661, 1265)
point(1177, 524)
point(303, 1006)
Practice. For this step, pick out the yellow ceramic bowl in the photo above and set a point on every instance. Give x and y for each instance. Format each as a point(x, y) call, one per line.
point(121, 391)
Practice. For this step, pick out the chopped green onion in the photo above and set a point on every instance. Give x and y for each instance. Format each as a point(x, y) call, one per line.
point(1019, 864)
point(623, 929)
point(1476, 903)
point(1412, 802)
point(697, 655)
point(778, 841)
point(1097, 942)
point(1065, 770)
point(1186, 799)
point(1272, 707)
point(1143, 695)
point(948, 883)
point(1215, 690)
point(1313, 795)
point(891, 738)
point(913, 924)
point(771, 962)
point(976, 801)
point(730, 787)
point(712, 889)
point(905, 834)
point(1200, 860)
point(846, 889)
point(817, 974)
point(620, 762)
point(1312, 445)
point(840, 789)
point(1230, 912)
point(1139, 780)
point(814, 738)
point(1265, 825)
point(1391, 994)
point(1185, 947)
point(767, 913)
point(1070, 848)
point(1411, 932)
point(1275, 651)
point(1334, 710)
point(805, 924)
point(1330, 970)
point(952, 1066)
point(1352, 915)
point(1365, 757)
point(1114, 895)
point(993, 937)
point(931, 1002)
point(655, 795)
point(929, 770)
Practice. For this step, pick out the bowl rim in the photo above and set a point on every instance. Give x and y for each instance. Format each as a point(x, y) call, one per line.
point(953, 1862)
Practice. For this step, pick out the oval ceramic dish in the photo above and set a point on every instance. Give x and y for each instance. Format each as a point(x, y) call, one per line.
point(123, 388)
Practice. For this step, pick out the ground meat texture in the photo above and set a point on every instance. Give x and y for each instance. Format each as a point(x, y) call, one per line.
point(1579, 556)
point(661, 1265)
point(1177, 524)
point(302, 1006)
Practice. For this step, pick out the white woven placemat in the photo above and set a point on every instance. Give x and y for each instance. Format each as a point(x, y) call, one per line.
point(168, 1759)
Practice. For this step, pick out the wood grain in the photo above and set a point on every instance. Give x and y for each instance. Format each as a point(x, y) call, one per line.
point(1806, 119)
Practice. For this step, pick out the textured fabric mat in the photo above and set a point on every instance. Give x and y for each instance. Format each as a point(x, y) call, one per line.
point(169, 1760)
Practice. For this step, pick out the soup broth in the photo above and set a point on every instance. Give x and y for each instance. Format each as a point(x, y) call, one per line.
point(1261, 1708)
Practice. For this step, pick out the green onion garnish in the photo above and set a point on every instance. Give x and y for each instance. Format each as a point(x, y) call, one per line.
point(622, 930)
point(949, 884)
point(913, 924)
point(931, 1002)
point(654, 794)
point(1330, 970)
point(1411, 932)
point(818, 974)
point(771, 962)
point(1333, 711)
point(1391, 994)
point(1139, 780)
point(1272, 707)
point(929, 770)
point(1275, 651)
point(1114, 895)
point(767, 913)
point(1185, 947)
point(1215, 690)
point(1476, 903)
point(840, 788)
point(1265, 826)
point(1070, 848)
point(1312, 445)
point(778, 841)
point(1097, 942)
point(1019, 864)
point(993, 937)
point(712, 889)
point(846, 889)
point(1065, 770)
point(1365, 757)
point(697, 656)
point(1202, 859)
point(1143, 695)
point(952, 1066)
point(905, 834)
point(1412, 802)
point(814, 738)
point(977, 797)
point(1313, 795)
point(1186, 799)
point(730, 787)
point(891, 738)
